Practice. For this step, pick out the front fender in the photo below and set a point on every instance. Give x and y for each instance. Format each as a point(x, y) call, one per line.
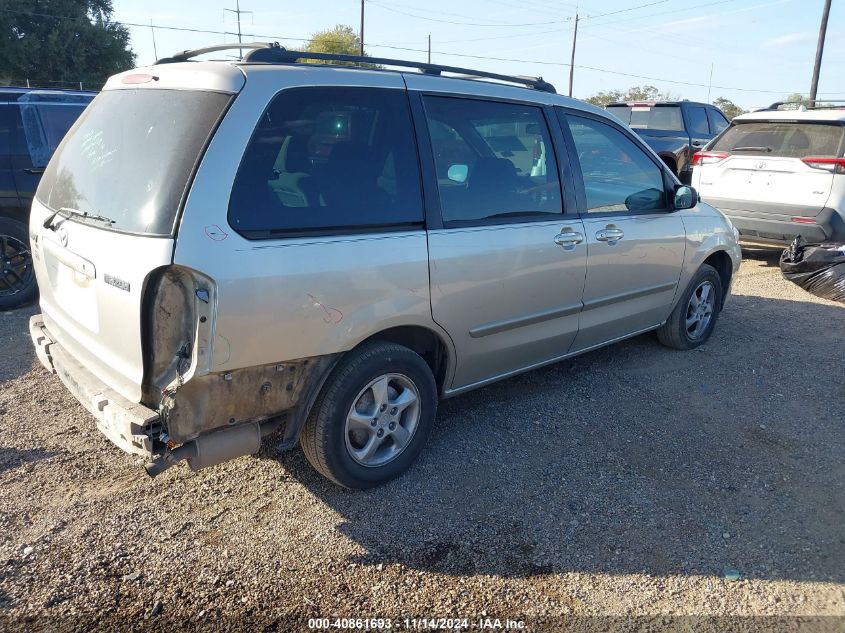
point(707, 232)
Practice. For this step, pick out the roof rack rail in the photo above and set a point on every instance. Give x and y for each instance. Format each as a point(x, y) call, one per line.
point(273, 53)
point(820, 104)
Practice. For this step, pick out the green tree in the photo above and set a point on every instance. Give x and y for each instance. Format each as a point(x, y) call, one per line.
point(797, 98)
point(800, 100)
point(341, 40)
point(56, 43)
point(634, 93)
point(728, 107)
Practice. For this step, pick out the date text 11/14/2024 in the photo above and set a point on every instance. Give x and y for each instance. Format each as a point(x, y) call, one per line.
point(417, 624)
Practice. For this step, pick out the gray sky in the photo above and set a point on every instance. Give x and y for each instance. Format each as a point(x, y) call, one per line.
point(760, 50)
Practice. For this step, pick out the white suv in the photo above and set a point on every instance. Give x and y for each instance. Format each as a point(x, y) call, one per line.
point(778, 174)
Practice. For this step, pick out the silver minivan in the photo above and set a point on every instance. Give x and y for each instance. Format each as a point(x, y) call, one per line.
point(230, 249)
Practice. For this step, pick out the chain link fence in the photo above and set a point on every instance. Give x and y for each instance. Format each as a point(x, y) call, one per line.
point(46, 84)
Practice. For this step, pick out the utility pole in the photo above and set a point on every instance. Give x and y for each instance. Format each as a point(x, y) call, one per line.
point(362, 28)
point(429, 48)
point(572, 58)
point(237, 11)
point(814, 85)
point(153, 31)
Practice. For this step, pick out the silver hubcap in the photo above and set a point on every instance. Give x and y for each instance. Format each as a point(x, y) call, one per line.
point(702, 304)
point(382, 420)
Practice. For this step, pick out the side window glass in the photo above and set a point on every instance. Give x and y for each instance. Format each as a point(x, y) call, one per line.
point(717, 121)
point(56, 120)
point(329, 158)
point(493, 160)
point(618, 175)
point(698, 122)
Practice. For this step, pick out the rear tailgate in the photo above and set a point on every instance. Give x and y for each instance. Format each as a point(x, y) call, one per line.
point(91, 283)
point(784, 187)
point(762, 167)
point(127, 163)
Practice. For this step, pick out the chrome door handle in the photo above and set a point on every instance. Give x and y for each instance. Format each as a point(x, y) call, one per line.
point(610, 235)
point(569, 238)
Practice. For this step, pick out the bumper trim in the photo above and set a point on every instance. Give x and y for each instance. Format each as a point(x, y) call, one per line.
point(123, 422)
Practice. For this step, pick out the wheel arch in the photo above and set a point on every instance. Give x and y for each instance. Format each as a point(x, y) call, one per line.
point(430, 345)
point(435, 348)
point(721, 261)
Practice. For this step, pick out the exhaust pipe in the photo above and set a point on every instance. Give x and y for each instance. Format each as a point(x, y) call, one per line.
point(170, 458)
point(212, 449)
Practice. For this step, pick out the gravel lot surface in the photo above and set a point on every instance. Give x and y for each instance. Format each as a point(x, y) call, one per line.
point(632, 481)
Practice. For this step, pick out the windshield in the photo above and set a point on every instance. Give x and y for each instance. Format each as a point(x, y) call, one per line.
point(130, 155)
point(793, 140)
point(646, 117)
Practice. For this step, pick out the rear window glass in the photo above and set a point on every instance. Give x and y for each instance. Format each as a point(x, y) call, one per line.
point(793, 140)
point(647, 117)
point(130, 155)
point(329, 158)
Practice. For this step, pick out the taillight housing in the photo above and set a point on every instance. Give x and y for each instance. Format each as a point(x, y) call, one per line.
point(828, 163)
point(708, 158)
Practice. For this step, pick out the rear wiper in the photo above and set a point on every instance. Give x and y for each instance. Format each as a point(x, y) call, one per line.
point(752, 149)
point(67, 212)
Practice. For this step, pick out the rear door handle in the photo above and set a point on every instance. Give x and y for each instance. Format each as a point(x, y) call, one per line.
point(569, 238)
point(610, 235)
point(34, 170)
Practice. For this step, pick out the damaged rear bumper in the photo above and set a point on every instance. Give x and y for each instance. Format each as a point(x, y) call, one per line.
point(129, 425)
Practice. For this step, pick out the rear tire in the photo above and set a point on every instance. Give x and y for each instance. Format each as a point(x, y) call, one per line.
point(17, 278)
point(373, 416)
point(694, 317)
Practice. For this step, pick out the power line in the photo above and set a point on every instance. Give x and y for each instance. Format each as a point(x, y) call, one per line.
point(496, 25)
point(424, 51)
point(509, 36)
point(510, 25)
point(662, 13)
point(450, 14)
point(640, 6)
point(534, 6)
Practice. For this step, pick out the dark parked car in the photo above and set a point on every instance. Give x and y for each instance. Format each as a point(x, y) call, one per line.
point(32, 123)
point(673, 129)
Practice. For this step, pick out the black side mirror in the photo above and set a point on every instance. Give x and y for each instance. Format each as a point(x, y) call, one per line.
point(685, 197)
point(646, 200)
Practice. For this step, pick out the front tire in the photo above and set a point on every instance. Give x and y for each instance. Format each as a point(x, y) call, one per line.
point(373, 416)
point(17, 278)
point(694, 317)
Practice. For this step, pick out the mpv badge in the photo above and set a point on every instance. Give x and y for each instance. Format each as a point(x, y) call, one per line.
point(63, 236)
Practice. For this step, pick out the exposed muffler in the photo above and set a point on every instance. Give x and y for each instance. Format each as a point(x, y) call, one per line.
point(214, 448)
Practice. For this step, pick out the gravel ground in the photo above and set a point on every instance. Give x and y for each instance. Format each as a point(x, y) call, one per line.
point(634, 481)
